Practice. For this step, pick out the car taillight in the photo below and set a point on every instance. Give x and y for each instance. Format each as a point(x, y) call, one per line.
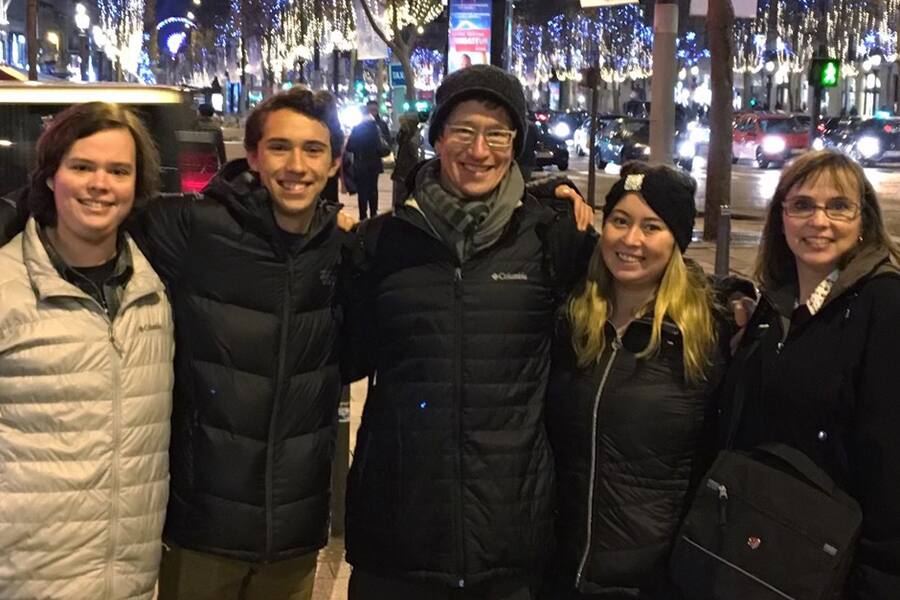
point(888, 129)
point(197, 167)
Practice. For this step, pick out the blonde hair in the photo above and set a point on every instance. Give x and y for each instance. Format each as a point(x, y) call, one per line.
point(684, 295)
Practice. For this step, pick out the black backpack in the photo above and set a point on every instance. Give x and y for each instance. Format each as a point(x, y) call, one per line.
point(768, 524)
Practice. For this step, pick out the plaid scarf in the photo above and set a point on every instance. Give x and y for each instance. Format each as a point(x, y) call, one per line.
point(467, 226)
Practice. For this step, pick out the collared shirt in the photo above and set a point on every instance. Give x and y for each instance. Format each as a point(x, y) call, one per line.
point(109, 294)
point(817, 298)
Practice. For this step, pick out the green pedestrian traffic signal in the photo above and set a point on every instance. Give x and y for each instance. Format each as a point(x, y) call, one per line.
point(825, 72)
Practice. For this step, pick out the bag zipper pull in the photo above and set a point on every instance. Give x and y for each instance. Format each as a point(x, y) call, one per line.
point(723, 503)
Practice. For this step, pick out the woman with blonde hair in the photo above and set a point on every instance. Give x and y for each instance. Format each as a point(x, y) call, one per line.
point(629, 412)
point(818, 367)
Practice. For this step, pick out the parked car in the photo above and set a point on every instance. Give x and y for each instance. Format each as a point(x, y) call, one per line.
point(579, 144)
point(837, 133)
point(550, 150)
point(189, 158)
point(621, 140)
point(768, 138)
point(627, 138)
point(563, 124)
point(874, 141)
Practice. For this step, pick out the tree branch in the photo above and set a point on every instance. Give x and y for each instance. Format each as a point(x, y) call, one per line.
point(378, 30)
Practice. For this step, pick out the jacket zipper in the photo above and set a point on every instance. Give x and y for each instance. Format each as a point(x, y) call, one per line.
point(457, 385)
point(116, 356)
point(616, 346)
point(279, 390)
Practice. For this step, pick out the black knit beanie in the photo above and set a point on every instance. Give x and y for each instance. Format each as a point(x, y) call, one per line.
point(480, 82)
point(668, 192)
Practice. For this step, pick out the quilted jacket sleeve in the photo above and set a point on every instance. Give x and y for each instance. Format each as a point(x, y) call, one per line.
point(876, 574)
point(162, 230)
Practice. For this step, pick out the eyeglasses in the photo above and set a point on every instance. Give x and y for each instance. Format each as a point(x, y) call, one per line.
point(494, 138)
point(837, 209)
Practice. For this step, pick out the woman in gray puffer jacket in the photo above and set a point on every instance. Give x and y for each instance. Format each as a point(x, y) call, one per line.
point(86, 349)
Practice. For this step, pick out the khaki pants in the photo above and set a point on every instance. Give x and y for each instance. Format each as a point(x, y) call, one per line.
point(188, 575)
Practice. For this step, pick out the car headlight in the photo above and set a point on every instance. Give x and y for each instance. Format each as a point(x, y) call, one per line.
point(645, 150)
point(562, 130)
point(773, 145)
point(350, 116)
point(687, 149)
point(868, 146)
point(818, 144)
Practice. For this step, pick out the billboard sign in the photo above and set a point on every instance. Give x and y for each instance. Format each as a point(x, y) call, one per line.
point(470, 34)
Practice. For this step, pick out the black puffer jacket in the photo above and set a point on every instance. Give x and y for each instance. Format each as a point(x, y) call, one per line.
point(452, 478)
point(630, 437)
point(829, 385)
point(257, 381)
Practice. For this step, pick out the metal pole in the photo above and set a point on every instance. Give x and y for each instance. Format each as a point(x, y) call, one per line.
point(31, 27)
point(723, 240)
point(662, 89)
point(592, 160)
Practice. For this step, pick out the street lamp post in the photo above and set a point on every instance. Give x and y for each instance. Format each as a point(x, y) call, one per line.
point(83, 23)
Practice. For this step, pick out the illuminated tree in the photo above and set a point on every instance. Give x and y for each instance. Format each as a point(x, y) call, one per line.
point(123, 25)
point(399, 27)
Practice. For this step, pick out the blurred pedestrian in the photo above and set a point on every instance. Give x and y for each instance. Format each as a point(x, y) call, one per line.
point(86, 354)
point(817, 367)
point(374, 111)
point(208, 121)
point(368, 145)
point(408, 143)
point(631, 403)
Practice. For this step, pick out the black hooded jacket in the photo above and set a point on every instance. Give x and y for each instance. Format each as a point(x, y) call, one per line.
point(256, 370)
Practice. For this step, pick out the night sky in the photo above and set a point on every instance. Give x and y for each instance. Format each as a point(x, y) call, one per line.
point(171, 8)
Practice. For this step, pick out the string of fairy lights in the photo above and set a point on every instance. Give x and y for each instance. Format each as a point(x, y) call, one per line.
point(783, 38)
point(785, 33)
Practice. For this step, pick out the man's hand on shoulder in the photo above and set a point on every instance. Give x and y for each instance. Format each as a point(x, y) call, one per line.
point(346, 222)
point(562, 188)
point(584, 214)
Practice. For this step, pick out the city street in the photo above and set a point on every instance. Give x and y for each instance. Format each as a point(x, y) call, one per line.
point(751, 188)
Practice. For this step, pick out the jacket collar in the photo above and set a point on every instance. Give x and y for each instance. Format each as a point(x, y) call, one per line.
point(48, 283)
point(240, 191)
point(869, 262)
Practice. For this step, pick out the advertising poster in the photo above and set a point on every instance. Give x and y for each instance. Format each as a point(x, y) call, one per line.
point(470, 33)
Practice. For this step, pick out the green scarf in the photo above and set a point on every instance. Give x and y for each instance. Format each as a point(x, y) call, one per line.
point(467, 226)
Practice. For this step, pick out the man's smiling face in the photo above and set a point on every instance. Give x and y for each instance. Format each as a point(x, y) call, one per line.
point(294, 161)
point(473, 170)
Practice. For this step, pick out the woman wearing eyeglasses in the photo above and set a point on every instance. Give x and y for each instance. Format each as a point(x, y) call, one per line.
point(818, 367)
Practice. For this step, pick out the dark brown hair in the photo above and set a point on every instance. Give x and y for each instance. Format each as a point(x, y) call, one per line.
point(78, 122)
point(775, 263)
point(315, 105)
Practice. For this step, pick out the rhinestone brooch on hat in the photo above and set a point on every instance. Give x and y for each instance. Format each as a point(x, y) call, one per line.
point(633, 183)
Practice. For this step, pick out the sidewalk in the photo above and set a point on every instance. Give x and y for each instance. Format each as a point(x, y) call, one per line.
point(333, 573)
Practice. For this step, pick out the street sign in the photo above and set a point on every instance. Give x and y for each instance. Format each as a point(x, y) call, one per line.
point(601, 3)
point(824, 72)
point(398, 78)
